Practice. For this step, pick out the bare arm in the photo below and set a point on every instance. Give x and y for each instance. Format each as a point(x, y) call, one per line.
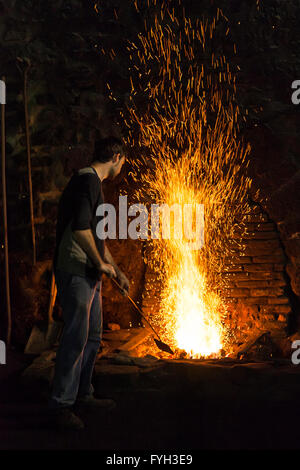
point(123, 281)
point(86, 241)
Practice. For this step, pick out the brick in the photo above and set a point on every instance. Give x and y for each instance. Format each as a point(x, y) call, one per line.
point(252, 284)
point(261, 227)
point(277, 283)
point(265, 292)
point(283, 309)
point(261, 236)
point(262, 247)
point(256, 300)
point(278, 300)
point(274, 258)
point(269, 226)
point(262, 275)
point(236, 292)
point(240, 276)
point(238, 260)
point(259, 267)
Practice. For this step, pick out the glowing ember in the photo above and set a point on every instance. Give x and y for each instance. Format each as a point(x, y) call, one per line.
point(183, 122)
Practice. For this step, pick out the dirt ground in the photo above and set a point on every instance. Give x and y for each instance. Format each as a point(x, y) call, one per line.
point(176, 406)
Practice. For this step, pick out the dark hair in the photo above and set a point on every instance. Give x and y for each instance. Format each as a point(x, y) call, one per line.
point(105, 149)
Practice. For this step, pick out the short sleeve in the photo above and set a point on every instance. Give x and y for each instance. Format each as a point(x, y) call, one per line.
point(85, 198)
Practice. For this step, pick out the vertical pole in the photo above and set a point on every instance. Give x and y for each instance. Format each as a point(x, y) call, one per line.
point(29, 164)
point(8, 307)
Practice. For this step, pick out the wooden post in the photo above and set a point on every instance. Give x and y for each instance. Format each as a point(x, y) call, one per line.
point(3, 141)
point(29, 163)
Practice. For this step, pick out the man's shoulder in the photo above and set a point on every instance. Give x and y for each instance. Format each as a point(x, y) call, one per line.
point(87, 176)
point(86, 170)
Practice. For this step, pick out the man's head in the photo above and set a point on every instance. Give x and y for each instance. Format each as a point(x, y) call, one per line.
point(109, 153)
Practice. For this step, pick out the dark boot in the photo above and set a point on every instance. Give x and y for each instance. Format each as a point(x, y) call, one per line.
point(67, 419)
point(93, 404)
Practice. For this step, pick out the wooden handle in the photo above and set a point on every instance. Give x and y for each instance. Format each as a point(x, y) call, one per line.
point(53, 292)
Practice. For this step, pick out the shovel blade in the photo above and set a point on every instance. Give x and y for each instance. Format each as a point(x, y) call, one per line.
point(37, 341)
point(163, 346)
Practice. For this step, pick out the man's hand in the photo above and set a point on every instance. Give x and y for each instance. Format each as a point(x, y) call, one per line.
point(86, 240)
point(121, 278)
point(107, 269)
point(124, 282)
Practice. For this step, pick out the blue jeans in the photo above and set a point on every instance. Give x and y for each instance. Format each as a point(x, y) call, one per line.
point(81, 302)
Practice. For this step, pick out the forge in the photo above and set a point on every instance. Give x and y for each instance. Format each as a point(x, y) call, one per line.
point(254, 308)
point(185, 129)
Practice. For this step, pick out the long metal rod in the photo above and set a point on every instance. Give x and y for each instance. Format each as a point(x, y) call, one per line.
point(137, 307)
point(3, 141)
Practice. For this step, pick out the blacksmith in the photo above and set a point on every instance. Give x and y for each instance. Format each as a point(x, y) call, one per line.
point(80, 260)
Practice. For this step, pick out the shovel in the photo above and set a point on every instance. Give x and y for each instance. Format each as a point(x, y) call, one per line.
point(42, 339)
point(159, 343)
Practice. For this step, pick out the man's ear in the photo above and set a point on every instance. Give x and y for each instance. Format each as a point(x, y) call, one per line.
point(116, 158)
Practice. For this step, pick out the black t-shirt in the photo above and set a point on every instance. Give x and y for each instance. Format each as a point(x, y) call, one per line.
point(77, 211)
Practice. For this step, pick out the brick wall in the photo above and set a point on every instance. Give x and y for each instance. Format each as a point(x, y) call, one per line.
point(258, 288)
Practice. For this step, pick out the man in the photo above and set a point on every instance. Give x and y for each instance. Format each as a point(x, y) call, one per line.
point(80, 259)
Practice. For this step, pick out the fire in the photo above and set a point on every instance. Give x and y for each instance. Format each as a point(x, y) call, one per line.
point(191, 313)
point(197, 328)
point(183, 121)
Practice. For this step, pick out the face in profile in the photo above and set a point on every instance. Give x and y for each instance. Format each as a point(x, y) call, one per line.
point(116, 166)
